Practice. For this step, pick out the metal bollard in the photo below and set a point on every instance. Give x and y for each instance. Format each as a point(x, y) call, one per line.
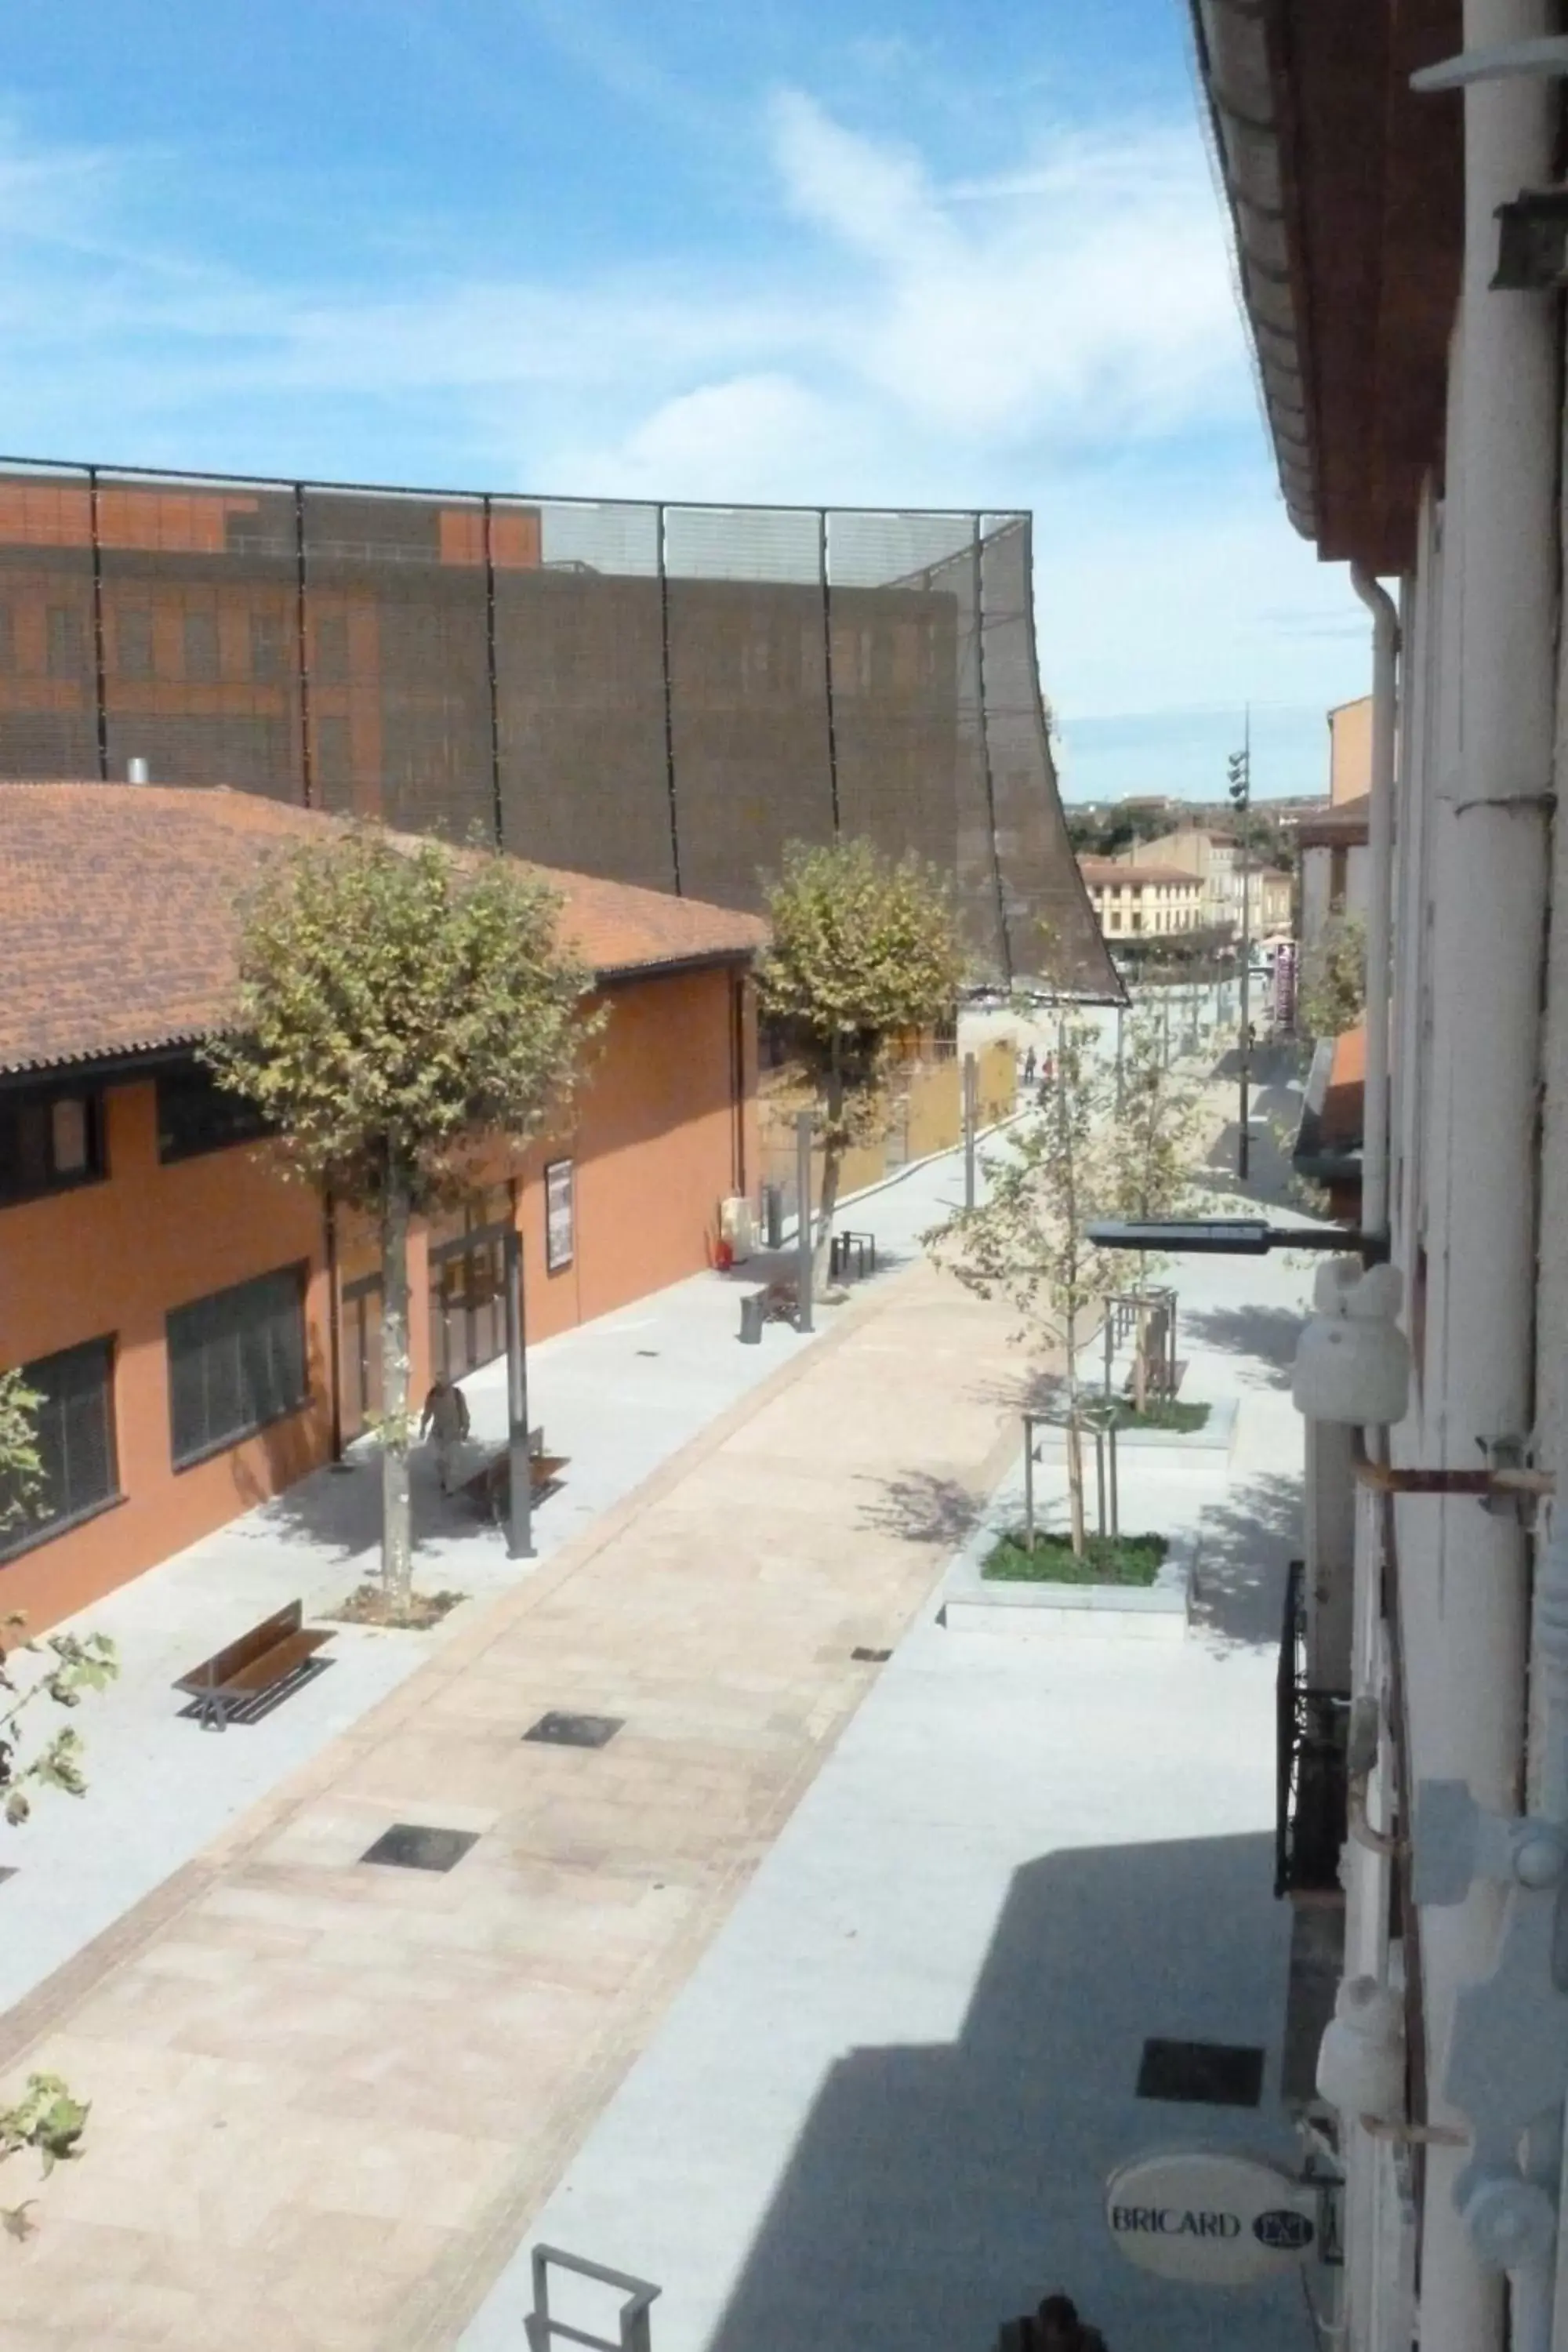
point(772, 1215)
point(752, 1306)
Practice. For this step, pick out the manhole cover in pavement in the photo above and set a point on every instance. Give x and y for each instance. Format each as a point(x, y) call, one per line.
point(871, 1657)
point(1201, 2074)
point(409, 1845)
point(575, 1730)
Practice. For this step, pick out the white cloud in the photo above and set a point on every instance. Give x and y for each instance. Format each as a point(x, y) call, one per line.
point(1056, 332)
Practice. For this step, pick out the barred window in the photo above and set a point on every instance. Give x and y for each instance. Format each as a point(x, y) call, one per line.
point(237, 1361)
point(65, 642)
point(133, 641)
point(74, 1437)
point(267, 649)
point(201, 644)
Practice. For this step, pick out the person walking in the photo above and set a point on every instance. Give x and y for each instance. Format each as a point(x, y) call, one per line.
point(1054, 2326)
point(1029, 1066)
point(446, 1415)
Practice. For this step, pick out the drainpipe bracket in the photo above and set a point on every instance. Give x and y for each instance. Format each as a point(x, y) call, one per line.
point(1506, 1454)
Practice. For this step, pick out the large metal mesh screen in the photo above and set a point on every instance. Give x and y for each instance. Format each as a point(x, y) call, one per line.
point(661, 694)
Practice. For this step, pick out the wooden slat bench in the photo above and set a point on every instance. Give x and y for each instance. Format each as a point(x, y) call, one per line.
point(270, 1655)
point(490, 1488)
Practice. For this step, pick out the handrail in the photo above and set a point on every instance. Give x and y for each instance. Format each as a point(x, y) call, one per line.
point(543, 2331)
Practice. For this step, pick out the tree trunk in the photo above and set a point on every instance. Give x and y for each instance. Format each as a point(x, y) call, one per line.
point(832, 1168)
point(1074, 1445)
point(397, 1536)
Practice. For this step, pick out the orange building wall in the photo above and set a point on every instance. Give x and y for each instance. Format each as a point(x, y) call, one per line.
point(655, 1145)
point(1350, 751)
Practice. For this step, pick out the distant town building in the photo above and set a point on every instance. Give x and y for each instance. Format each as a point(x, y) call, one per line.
point(1213, 856)
point(1137, 900)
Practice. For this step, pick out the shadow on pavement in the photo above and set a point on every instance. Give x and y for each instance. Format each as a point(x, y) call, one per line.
point(1268, 1334)
point(1249, 1540)
point(936, 2190)
point(921, 1507)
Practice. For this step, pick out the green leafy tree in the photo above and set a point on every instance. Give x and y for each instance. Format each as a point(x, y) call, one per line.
point(402, 1009)
point(864, 948)
point(1026, 1240)
point(47, 2119)
point(1332, 993)
point(1149, 1172)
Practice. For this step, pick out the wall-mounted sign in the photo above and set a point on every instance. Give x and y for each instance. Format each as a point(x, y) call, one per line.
point(1211, 2218)
point(559, 1240)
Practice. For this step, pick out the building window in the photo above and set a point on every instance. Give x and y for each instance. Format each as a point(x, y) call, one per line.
point(65, 642)
point(195, 1114)
point(237, 1361)
point(266, 657)
point(333, 649)
point(467, 1285)
point(133, 641)
point(47, 1143)
point(334, 751)
point(1339, 878)
point(560, 1219)
point(74, 1433)
point(201, 645)
point(361, 1318)
point(1137, 922)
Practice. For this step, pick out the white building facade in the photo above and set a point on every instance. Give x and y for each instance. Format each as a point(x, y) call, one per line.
point(1409, 334)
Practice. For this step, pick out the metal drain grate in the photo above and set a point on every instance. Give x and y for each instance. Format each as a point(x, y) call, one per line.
point(1201, 2074)
point(575, 1730)
point(871, 1657)
point(409, 1845)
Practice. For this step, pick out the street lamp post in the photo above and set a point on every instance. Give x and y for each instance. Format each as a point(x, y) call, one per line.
point(1240, 788)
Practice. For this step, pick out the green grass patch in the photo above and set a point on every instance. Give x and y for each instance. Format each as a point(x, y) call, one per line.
point(1107, 1560)
point(1163, 1412)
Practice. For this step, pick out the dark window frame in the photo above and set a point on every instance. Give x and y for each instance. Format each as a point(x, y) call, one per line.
point(135, 657)
point(25, 1534)
point(65, 642)
point(95, 1172)
point(223, 1441)
point(239, 1121)
point(207, 669)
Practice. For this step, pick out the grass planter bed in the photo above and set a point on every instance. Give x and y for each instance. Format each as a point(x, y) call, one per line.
point(995, 1588)
point(1131, 1563)
point(1160, 1429)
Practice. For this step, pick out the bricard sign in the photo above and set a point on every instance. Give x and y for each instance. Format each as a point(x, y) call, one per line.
point(1210, 2217)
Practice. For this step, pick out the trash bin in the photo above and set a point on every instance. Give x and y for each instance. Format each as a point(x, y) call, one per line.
point(751, 1308)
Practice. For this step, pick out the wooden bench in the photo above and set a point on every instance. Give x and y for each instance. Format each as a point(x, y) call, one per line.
point(271, 1654)
point(490, 1488)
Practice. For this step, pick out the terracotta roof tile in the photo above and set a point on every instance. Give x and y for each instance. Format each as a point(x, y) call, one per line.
point(119, 928)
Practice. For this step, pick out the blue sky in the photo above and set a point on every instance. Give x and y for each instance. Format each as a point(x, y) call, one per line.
point(948, 252)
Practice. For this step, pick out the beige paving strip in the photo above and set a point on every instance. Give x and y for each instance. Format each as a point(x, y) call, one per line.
point(328, 2099)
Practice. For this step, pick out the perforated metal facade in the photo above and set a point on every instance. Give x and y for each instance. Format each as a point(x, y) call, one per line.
point(662, 694)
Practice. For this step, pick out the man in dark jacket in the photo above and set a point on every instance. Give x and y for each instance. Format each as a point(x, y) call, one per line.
point(1055, 2327)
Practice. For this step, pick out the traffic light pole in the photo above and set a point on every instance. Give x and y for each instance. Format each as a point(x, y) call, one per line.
point(1241, 799)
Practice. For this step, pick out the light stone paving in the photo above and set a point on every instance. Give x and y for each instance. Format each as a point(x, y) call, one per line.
point(328, 2096)
point(620, 1397)
point(880, 2112)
